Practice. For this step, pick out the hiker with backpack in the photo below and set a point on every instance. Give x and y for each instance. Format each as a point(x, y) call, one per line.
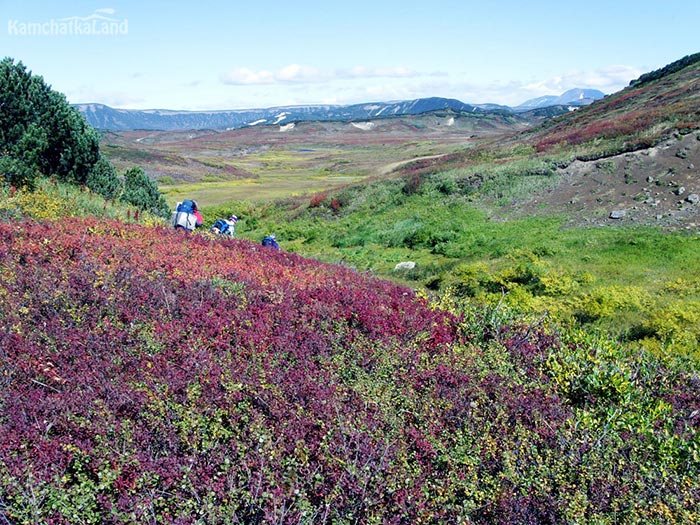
point(200, 219)
point(186, 216)
point(225, 226)
point(271, 241)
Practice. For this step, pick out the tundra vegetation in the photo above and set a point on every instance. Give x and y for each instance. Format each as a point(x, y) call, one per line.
point(527, 370)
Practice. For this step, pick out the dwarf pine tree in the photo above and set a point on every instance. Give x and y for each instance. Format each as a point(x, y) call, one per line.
point(142, 192)
point(40, 133)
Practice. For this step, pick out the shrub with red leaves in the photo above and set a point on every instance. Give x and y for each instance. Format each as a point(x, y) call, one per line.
point(149, 377)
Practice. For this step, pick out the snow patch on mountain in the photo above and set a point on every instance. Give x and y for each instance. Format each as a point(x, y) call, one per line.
point(280, 117)
point(364, 126)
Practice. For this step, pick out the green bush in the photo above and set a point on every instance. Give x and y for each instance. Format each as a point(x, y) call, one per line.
point(142, 192)
point(103, 179)
point(666, 70)
point(17, 172)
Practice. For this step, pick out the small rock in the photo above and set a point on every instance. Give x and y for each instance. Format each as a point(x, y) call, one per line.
point(617, 214)
point(693, 198)
point(408, 265)
point(680, 190)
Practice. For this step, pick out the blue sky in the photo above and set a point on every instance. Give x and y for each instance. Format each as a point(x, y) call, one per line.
point(263, 53)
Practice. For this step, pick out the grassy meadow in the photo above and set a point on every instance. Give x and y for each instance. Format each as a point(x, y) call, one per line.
point(275, 174)
point(636, 283)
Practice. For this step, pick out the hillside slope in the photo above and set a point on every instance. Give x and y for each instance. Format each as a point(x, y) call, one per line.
point(638, 116)
point(656, 186)
point(150, 376)
point(635, 152)
point(655, 179)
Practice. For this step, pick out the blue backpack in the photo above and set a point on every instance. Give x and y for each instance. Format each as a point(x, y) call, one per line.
point(271, 242)
point(223, 227)
point(186, 206)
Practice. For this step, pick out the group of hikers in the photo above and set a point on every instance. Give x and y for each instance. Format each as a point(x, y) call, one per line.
point(188, 217)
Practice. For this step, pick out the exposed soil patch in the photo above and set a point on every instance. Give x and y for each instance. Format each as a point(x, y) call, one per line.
point(657, 186)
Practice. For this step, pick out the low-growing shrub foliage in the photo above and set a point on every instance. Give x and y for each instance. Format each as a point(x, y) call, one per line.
point(150, 376)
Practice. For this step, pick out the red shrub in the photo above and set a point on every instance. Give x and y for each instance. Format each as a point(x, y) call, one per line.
point(318, 200)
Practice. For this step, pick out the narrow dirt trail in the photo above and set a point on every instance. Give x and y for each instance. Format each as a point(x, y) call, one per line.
point(388, 168)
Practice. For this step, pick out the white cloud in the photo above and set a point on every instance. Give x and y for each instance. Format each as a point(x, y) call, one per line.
point(292, 73)
point(361, 84)
point(608, 80)
point(297, 73)
point(245, 76)
point(387, 72)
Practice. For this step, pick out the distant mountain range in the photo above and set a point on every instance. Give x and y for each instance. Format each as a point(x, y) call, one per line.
point(573, 97)
point(104, 117)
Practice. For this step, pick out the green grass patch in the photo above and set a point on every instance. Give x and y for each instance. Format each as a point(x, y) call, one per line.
point(266, 188)
point(630, 282)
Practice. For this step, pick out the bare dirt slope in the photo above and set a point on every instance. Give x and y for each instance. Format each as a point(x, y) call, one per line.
point(656, 186)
